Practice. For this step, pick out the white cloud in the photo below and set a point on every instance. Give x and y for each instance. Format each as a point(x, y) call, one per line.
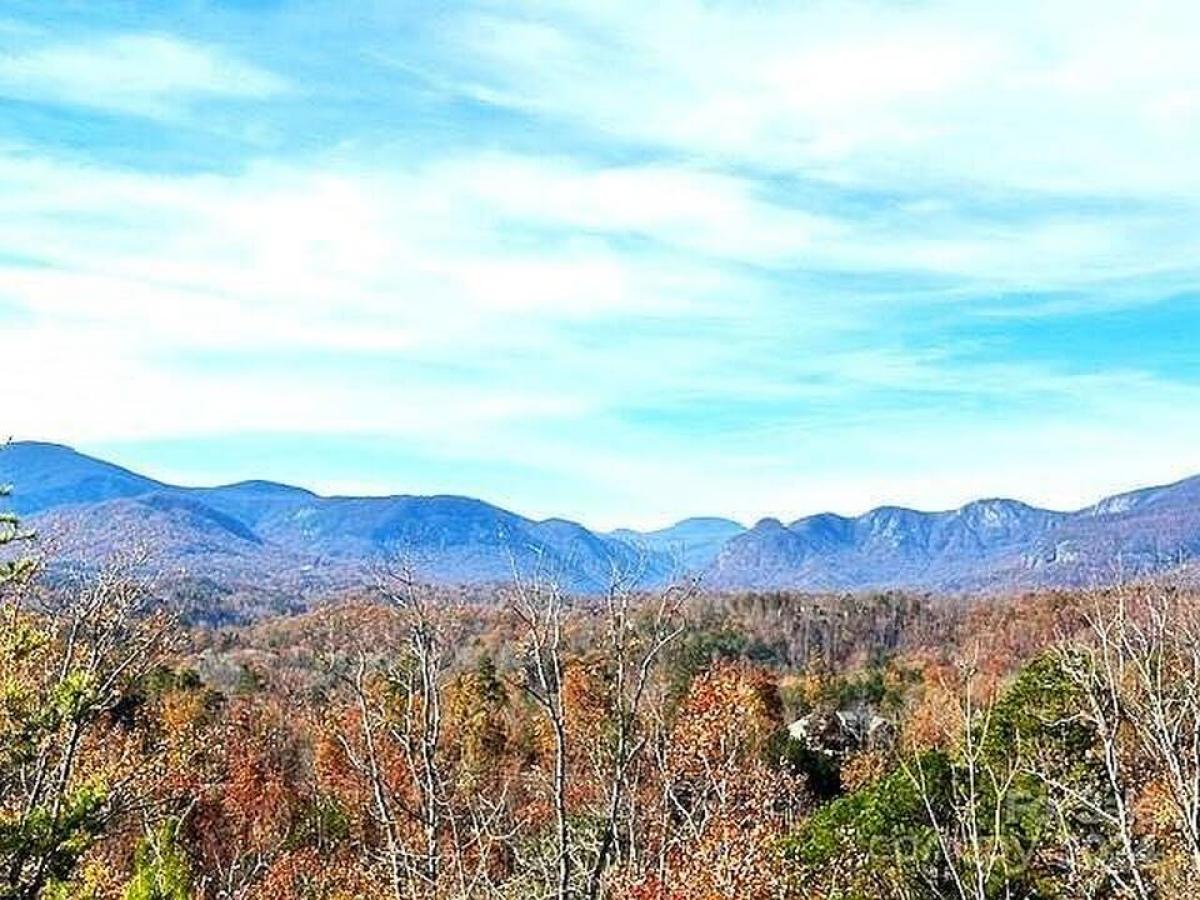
point(683, 207)
point(492, 265)
point(144, 74)
point(1071, 96)
point(100, 382)
point(320, 256)
point(138, 296)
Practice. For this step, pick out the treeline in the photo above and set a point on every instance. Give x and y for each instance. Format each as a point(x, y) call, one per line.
point(675, 745)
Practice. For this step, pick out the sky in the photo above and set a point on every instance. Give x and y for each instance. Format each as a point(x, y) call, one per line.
point(620, 262)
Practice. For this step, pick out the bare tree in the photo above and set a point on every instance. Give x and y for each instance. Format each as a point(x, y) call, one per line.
point(399, 705)
point(1162, 649)
point(637, 629)
point(420, 679)
point(1136, 668)
point(540, 604)
point(965, 804)
point(364, 757)
point(1096, 668)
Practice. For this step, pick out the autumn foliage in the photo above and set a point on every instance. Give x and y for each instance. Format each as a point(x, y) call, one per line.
point(656, 746)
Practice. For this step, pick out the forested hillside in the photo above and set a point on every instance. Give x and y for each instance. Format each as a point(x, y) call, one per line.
point(415, 743)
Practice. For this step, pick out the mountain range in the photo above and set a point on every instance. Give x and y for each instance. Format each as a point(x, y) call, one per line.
point(287, 542)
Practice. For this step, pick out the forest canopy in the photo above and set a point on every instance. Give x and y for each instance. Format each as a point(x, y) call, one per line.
point(417, 743)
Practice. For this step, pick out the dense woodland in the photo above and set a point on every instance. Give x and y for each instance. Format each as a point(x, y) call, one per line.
point(415, 743)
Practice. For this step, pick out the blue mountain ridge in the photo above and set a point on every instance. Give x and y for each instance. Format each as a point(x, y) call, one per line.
point(262, 532)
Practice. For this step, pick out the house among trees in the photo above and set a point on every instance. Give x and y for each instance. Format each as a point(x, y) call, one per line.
point(843, 732)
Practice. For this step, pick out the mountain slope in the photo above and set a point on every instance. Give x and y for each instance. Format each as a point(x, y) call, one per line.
point(257, 533)
point(989, 544)
point(50, 475)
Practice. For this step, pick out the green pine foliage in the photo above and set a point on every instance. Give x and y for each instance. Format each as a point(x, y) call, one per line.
point(13, 566)
point(161, 870)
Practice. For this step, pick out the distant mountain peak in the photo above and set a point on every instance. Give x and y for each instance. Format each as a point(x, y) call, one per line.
point(259, 486)
point(768, 524)
point(1185, 491)
point(994, 503)
point(708, 522)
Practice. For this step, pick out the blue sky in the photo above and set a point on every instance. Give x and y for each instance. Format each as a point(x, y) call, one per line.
point(621, 262)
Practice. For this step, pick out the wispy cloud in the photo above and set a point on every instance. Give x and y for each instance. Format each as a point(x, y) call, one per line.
point(141, 74)
point(1071, 96)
